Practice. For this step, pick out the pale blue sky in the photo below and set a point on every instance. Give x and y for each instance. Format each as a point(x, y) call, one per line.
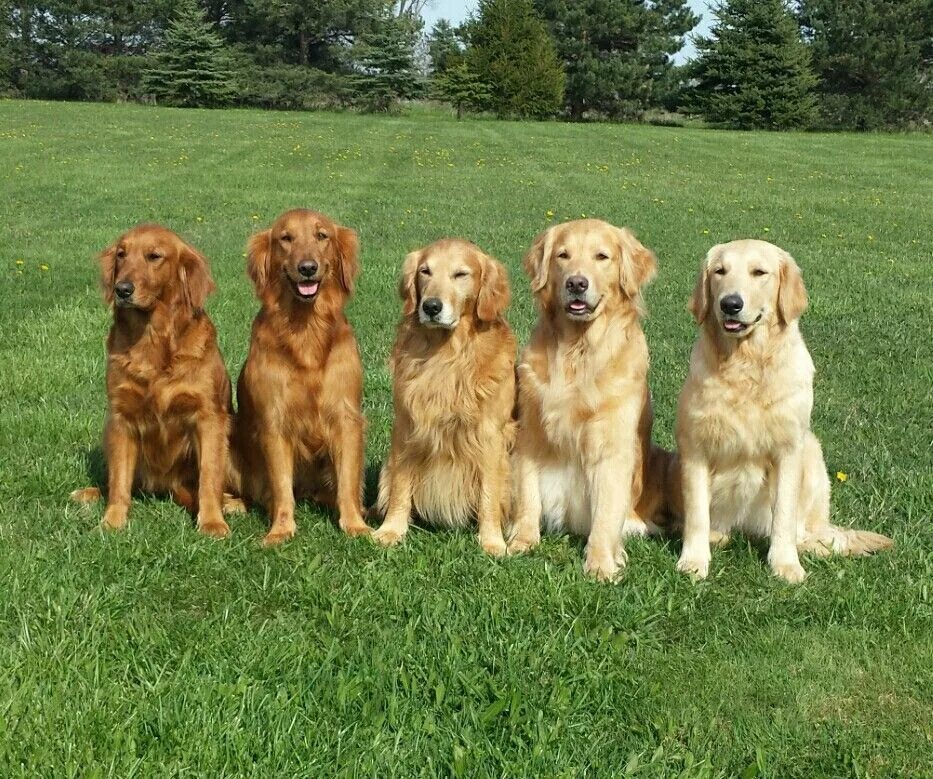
point(456, 11)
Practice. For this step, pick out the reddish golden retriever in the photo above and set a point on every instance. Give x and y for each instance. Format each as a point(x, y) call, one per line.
point(584, 462)
point(453, 369)
point(168, 392)
point(299, 428)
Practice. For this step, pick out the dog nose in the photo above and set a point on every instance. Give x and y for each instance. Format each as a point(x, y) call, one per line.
point(731, 304)
point(577, 285)
point(431, 306)
point(124, 289)
point(307, 268)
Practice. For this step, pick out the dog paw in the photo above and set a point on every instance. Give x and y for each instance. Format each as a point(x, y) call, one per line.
point(277, 536)
point(86, 495)
point(604, 567)
point(718, 539)
point(695, 566)
point(114, 519)
point(791, 572)
point(354, 527)
point(520, 545)
point(494, 546)
point(387, 536)
point(215, 528)
point(233, 504)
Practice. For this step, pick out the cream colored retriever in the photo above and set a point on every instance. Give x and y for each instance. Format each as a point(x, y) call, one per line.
point(583, 458)
point(453, 370)
point(747, 457)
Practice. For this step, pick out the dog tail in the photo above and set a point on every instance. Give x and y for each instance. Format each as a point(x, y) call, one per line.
point(86, 495)
point(832, 539)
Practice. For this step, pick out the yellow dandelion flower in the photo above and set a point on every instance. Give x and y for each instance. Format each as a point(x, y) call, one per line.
point(705, 232)
point(200, 219)
point(842, 476)
point(20, 262)
point(43, 266)
point(871, 238)
point(767, 229)
point(549, 214)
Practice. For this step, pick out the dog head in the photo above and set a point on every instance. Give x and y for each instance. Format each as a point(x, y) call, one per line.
point(745, 283)
point(450, 279)
point(149, 265)
point(302, 253)
point(582, 268)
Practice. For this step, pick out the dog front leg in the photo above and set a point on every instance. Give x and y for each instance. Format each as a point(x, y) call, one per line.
point(526, 529)
point(695, 481)
point(782, 552)
point(400, 483)
point(280, 475)
point(489, 510)
point(122, 453)
point(346, 452)
point(212, 467)
point(610, 487)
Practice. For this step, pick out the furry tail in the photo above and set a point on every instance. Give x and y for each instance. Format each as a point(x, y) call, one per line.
point(832, 539)
point(86, 495)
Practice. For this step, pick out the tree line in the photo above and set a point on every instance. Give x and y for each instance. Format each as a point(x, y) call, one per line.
point(861, 64)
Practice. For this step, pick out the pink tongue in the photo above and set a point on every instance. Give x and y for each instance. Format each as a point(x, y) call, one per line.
point(308, 288)
point(578, 305)
point(732, 324)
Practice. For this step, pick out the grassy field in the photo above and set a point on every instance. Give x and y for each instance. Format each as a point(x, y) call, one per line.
point(158, 652)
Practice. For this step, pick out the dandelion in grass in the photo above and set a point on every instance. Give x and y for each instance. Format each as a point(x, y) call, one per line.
point(842, 476)
point(43, 267)
point(20, 263)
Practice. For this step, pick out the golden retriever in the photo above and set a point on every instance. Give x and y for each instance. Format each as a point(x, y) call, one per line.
point(453, 369)
point(747, 459)
point(583, 458)
point(168, 393)
point(299, 425)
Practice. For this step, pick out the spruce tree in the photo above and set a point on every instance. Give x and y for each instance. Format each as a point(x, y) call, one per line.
point(191, 67)
point(385, 60)
point(462, 88)
point(754, 70)
point(874, 59)
point(511, 51)
point(444, 47)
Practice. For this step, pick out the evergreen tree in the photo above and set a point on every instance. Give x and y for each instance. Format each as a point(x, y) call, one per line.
point(385, 59)
point(444, 47)
point(616, 53)
point(462, 88)
point(192, 67)
point(874, 60)
point(510, 49)
point(754, 71)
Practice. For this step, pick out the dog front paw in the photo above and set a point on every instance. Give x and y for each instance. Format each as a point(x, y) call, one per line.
point(493, 545)
point(694, 565)
point(215, 527)
point(114, 518)
point(603, 566)
point(521, 544)
point(388, 536)
point(354, 526)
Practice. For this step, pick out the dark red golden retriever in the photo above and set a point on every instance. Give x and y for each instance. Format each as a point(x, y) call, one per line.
point(168, 393)
point(299, 427)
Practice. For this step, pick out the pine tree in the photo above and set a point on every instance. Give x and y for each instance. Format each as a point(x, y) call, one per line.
point(385, 59)
point(192, 67)
point(462, 88)
point(510, 49)
point(754, 71)
point(444, 47)
point(874, 59)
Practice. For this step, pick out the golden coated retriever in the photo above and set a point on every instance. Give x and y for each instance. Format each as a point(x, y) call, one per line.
point(747, 459)
point(299, 425)
point(453, 369)
point(168, 393)
point(583, 458)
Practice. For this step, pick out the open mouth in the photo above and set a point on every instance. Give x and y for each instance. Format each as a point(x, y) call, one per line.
point(579, 308)
point(735, 326)
point(306, 290)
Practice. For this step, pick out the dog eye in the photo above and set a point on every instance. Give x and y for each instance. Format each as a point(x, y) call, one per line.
point(121, 253)
point(425, 271)
point(759, 272)
point(285, 238)
point(563, 254)
point(720, 271)
point(602, 256)
point(153, 256)
point(322, 236)
point(461, 274)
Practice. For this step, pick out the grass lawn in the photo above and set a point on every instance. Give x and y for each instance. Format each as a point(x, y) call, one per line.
point(158, 652)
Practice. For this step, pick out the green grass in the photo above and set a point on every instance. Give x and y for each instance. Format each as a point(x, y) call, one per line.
point(158, 652)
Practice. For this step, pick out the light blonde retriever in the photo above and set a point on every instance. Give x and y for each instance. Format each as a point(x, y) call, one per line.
point(453, 369)
point(583, 459)
point(747, 458)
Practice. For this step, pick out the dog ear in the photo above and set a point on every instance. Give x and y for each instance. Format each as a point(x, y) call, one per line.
point(195, 277)
point(494, 293)
point(638, 266)
point(348, 257)
point(538, 260)
point(108, 271)
point(259, 261)
point(792, 295)
point(698, 305)
point(407, 288)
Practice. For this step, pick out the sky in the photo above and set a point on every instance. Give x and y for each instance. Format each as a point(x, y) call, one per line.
point(456, 11)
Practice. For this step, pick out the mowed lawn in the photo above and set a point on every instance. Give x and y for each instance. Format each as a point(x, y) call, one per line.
point(157, 652)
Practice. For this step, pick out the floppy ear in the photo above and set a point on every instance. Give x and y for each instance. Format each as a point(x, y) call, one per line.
point(538, 259)
point(638, 266)
point(259, 260)
point(194, 274)
point(792, 295)
point(348, 257)
point(494, 294)
point(407, 289)
point(698, 305)
point(108, 271)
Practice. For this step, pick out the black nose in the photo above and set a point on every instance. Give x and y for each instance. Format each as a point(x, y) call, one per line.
point(431, 306)
point(124, 289)
point(731, 304)
point(307, 268)
point(576, 285)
